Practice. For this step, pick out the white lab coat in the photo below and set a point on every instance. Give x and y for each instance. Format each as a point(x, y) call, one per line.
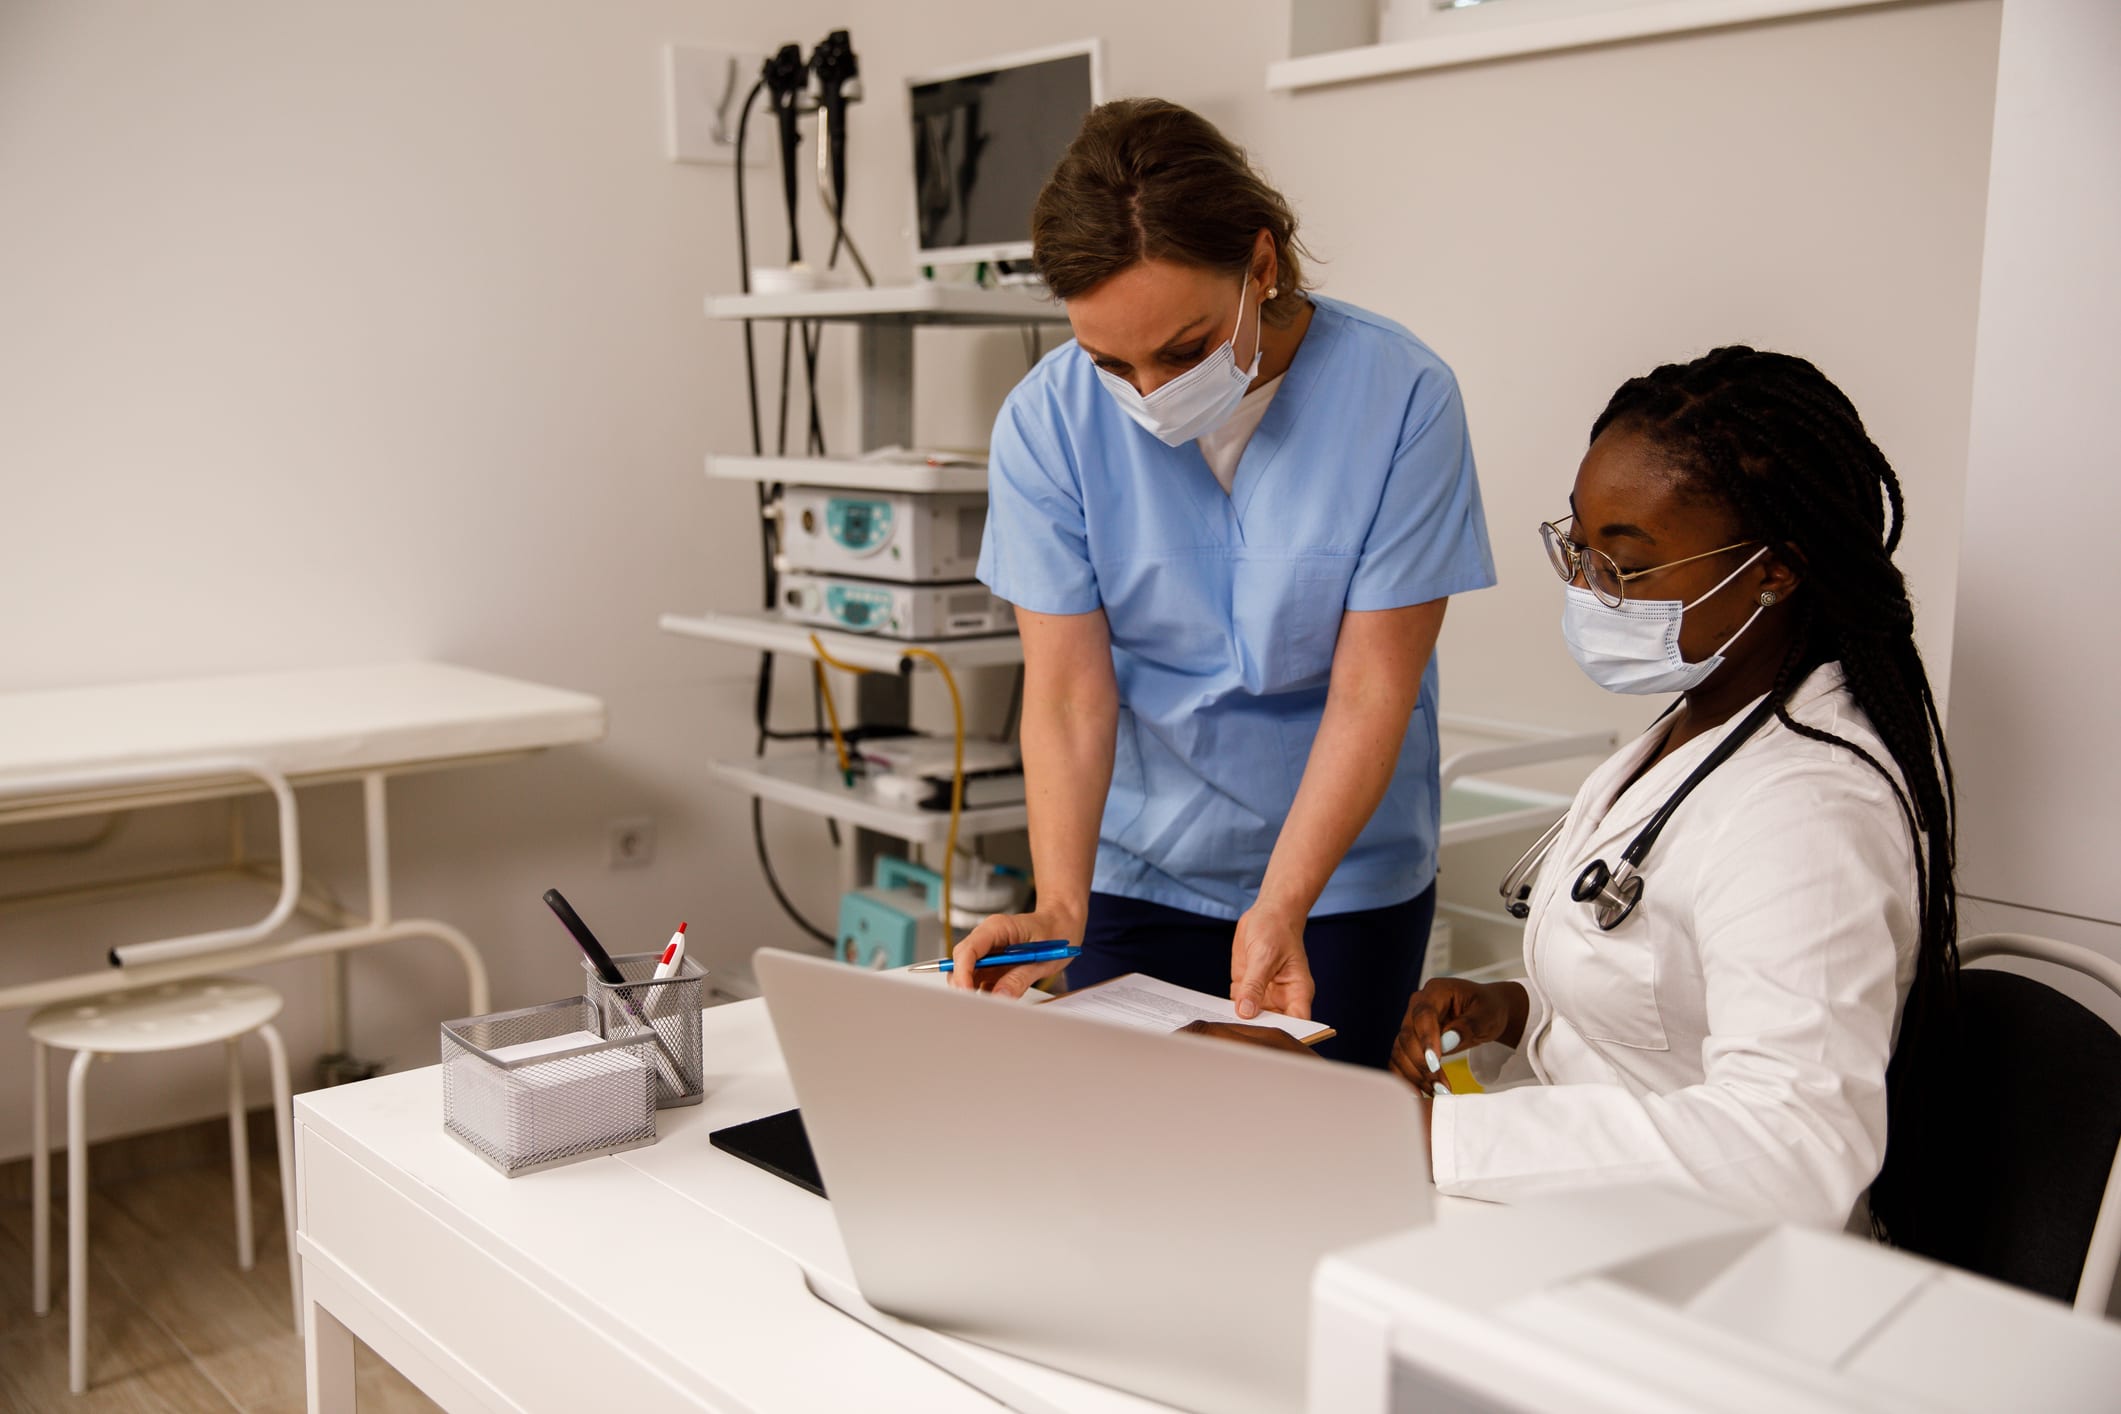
point(1732, 1035)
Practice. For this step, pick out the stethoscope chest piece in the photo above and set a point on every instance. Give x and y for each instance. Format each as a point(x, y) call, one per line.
point(1611, 894)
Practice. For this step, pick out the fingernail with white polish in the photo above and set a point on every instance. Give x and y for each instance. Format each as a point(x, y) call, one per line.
point(1442, 1089)
point(1450, 1042)
point(1430, 1057)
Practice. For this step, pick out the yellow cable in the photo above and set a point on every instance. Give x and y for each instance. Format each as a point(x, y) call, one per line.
point(832, 715)
point(957, 766)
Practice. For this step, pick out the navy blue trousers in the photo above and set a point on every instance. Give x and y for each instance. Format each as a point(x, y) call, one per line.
point(1366, 964)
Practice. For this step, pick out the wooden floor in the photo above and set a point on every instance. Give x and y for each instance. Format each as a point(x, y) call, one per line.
point(174, 1324)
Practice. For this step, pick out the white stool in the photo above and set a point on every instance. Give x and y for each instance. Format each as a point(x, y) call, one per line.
point(169, 1017)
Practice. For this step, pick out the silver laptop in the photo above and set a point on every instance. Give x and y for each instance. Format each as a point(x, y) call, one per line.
point(1141, 1209)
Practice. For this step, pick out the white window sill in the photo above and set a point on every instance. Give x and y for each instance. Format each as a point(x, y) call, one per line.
point(1538, 36)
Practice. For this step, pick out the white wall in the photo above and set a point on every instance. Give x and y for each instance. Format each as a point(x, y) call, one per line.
point(366, 332)
point(1557, 224)
point(354, 333)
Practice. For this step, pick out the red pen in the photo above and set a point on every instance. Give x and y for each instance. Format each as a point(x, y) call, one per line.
point(673, 955)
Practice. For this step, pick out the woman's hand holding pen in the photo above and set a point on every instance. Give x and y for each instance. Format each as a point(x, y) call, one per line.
point(1013, 930)
point(1449, 1015)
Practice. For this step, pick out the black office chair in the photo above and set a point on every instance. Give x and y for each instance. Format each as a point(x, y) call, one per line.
point(2031, 1157)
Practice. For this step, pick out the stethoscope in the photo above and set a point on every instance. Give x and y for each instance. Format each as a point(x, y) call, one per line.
point(1614, 893)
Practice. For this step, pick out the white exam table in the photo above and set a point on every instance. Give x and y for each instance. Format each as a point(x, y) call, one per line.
point(131, 746)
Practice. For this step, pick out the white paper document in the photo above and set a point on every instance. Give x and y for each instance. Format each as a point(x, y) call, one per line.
point(1149, 1005)
point(545, 1046)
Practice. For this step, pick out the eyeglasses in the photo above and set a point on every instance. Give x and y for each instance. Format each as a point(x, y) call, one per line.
point(1600, 575)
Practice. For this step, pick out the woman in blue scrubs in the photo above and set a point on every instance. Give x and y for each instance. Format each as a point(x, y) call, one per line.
point(1228, 514)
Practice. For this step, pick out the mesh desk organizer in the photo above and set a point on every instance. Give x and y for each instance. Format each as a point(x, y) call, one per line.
point(573, 1079)
point(666, 1010)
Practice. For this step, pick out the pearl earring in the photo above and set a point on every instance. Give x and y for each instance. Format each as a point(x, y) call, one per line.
point(1767, 597)
point(1273, 290)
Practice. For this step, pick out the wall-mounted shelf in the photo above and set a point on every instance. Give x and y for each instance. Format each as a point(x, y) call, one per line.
point(926, 302)
point(861, 474)
point(768, 632)
point(811, 782)
point(1477, 34)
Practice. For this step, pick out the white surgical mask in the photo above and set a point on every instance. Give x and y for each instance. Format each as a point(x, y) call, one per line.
point(1635, 648)
point(1198, 400)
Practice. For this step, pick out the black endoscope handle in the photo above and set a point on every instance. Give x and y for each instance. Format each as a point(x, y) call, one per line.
point(784, 75)
point(835, 66)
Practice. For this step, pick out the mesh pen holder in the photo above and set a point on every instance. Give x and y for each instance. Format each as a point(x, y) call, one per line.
point(665, 1011)
point(523, 1097)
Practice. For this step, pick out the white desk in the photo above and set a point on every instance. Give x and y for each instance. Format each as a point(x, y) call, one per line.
point(86, 751)
point(670, 1277)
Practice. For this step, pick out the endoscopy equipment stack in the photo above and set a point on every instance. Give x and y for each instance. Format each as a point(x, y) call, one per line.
point(870, 549)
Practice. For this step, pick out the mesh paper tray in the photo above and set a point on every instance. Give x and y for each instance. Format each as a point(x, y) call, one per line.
point(530, 1089)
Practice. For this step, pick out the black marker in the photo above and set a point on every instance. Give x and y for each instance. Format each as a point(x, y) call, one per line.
point(584, 939)
point(609, 971)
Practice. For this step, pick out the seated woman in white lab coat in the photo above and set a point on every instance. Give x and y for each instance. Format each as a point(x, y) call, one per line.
point(1729, 538)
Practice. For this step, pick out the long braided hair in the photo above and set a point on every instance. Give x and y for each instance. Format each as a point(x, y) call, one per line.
point(1773, 440)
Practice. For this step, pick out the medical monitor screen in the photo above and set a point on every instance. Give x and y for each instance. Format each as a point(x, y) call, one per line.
point(983, 145)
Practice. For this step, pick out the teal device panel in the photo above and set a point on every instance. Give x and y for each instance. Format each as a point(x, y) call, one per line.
point(859, 609)
point(858, 526)
point(895, 921)
point(877, 932)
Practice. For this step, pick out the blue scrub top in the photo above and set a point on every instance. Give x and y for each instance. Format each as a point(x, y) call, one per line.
point(1357, 491)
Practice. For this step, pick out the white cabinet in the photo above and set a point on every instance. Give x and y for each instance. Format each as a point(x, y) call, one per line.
point(2035, 704)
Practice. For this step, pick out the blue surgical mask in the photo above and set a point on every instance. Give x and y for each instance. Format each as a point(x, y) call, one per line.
point(1634, 647)
point(1198, 400)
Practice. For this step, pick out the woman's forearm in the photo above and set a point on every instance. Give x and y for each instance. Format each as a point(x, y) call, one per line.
point(1070, 724)
point(1067, 771)
point(1377, 670)
point(1342, 785)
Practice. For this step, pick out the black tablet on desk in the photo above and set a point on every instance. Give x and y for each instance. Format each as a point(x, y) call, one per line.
point(777, 1144)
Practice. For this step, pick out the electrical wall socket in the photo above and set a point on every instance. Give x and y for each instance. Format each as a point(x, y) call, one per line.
point(703, 96)
point(631, 842)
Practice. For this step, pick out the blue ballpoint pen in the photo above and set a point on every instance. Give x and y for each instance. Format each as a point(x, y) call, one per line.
point(1009, 957)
